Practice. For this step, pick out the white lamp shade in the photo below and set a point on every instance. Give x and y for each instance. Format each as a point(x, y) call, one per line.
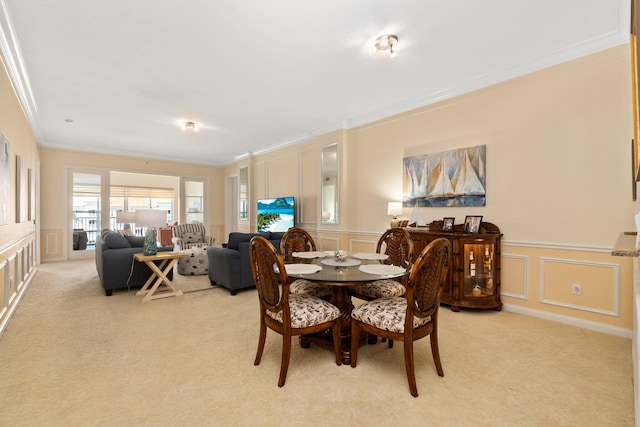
point(125, 217)
point(151, 218)
point(394, 208)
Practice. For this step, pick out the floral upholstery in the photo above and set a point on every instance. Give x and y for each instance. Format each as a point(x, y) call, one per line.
point(305, 287)
point(195, 263)
point(385, 288)
point(306, 311)
point(387, 313)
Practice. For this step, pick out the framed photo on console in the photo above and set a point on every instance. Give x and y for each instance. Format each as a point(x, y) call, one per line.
point(472, 224)
point(447, 223)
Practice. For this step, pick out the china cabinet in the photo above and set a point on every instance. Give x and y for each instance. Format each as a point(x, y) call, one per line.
point(473, 280)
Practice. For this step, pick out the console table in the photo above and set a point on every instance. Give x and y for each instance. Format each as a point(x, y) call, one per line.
point(473, 280)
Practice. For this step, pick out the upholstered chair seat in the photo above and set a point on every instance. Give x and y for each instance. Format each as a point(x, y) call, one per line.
point(302, 286)
point(384, 288)
point(387, 313)
point(306, 311)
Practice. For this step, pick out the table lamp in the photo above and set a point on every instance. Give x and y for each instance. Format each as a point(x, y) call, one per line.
point(394, 209)
point(126, 218)
point(151, 219)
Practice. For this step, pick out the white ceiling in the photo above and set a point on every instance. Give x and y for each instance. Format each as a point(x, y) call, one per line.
point(258, 75)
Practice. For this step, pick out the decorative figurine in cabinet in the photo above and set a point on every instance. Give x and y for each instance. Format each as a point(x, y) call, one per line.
point(473, 280)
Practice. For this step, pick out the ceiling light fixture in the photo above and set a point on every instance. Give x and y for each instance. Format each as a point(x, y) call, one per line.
point(386, 42)
point(189, 126)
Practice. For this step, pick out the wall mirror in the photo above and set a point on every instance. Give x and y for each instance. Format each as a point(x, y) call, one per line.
point(243, 193)
point(330, 175)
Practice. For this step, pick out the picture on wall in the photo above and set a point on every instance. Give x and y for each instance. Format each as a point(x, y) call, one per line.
point(448, 178)
point(4, 176)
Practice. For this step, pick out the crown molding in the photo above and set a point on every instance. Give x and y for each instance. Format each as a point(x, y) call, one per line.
point(12, 58)
point(604, 41)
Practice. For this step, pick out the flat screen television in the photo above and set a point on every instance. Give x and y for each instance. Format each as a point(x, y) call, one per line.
point(276, 214)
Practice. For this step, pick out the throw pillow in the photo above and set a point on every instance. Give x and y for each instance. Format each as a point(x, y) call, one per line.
point(135, 241)
point(116, 241)
point(192, 237)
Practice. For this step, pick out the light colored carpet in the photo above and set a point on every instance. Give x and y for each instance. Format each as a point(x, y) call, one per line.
point(72, 356)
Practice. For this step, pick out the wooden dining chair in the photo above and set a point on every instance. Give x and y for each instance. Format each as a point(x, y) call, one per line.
point(412, 317)
point(299, 240)
point(283, 312)
point(397, 243)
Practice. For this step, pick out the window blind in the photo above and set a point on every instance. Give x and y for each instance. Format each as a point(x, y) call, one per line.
point(141, 192)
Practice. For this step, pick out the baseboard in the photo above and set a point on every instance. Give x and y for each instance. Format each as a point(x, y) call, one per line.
point(585, 324)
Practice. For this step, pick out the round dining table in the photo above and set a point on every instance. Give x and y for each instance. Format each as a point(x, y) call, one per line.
point(350, 270)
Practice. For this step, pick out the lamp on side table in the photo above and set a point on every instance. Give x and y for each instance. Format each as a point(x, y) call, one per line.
point(151, 219)
point(394, 209)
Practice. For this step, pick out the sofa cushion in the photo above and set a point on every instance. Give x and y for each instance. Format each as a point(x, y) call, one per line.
point(135, 241)
point(192, 237)
point(116, 240)
point(276, 235)
point(236, 238)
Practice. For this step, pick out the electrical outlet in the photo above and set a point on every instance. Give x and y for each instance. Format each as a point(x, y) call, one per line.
point(576, 289)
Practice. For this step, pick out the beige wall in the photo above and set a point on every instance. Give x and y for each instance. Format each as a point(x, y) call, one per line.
point(55, 164)
point(558, 182)
point(17, 240)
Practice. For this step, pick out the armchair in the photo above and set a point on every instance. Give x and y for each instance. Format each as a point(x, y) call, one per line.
point(187, 236)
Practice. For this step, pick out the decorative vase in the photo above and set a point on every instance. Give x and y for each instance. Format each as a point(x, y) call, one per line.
point(476, 291)
point(150, 245)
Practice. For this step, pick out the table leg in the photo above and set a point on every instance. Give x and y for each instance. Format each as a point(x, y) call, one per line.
point(341, 299)
point(159, 272)
point(145, 288)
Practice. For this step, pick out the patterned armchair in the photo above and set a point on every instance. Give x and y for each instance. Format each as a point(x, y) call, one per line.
point(187, 236)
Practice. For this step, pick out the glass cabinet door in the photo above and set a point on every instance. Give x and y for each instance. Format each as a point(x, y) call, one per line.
point(478, 270)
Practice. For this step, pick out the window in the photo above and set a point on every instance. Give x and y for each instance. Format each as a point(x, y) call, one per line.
point(125, 198)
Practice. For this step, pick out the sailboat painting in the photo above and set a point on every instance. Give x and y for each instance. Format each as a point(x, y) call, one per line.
point(449, 178)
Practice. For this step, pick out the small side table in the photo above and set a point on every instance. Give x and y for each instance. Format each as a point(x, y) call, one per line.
point(159, 274)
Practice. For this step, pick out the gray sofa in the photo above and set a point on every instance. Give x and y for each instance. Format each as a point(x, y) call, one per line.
point(229, 265)
point(115, 264)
